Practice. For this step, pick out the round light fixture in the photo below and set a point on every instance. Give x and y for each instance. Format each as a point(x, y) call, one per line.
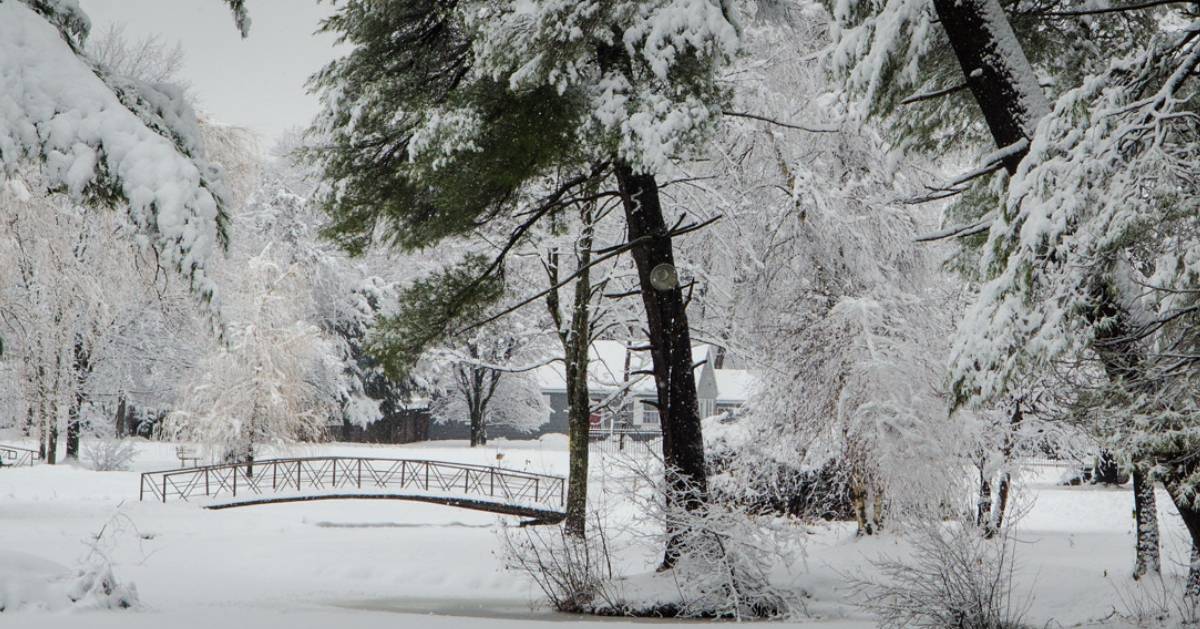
point(664, 277)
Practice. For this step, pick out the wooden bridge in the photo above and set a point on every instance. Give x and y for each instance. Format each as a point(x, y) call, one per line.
point(13, 455)
point(540, 497)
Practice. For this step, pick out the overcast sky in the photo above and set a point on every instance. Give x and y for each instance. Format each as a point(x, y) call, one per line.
point(257, 82)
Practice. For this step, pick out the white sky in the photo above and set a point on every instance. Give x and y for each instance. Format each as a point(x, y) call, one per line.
point(257, 82)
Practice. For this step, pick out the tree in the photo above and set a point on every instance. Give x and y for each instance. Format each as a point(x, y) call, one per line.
point(485, 376)
point(272, 381)
point(575, 333)
point(118, 141)
point(443, 119)
point(997, 58)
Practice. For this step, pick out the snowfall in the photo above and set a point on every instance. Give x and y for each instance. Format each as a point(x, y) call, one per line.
point(398, 564)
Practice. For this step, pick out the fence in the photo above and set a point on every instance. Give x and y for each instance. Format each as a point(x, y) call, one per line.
point(626, 441)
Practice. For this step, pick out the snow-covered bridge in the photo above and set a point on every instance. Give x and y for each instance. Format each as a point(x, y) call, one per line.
point(540, 497)
point(14, 455)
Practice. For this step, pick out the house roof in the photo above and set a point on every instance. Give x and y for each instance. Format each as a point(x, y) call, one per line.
point(606, 373)
point(606, 370)
point(734, 386)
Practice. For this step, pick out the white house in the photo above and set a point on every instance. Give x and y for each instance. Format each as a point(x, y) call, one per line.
point(623, 394)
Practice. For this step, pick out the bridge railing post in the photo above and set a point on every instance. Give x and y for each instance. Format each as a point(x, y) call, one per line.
point(236, 468)
point(274, 476)
point(164, 487)
point(360, 473)
point(206, 481)
point(535, 490)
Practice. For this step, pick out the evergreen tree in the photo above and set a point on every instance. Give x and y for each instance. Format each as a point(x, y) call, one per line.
point(451, 117)
point(1083, 109)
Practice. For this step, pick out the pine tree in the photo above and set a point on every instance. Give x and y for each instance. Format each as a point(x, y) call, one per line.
point(446, 118)
point(1068, 254)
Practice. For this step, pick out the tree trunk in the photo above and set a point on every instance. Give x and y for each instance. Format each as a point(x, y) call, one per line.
point(670, 350)
point(1190, 514)
point(983, 508)
point(1146, 514)
point(578, 412)
point(1004, 482)
point(996, 70)
point(72, 453)
point(50, 456)
point(478, 429)
point(121, 426)
point(575, 341)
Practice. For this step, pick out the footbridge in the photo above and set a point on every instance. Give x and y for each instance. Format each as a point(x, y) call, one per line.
point(540, 497)
point(14, 455)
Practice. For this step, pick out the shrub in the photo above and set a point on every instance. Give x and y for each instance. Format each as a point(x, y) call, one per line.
point(955, 579)
point(109, 455)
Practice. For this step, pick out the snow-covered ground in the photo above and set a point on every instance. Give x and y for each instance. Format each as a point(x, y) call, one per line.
point(398, 564)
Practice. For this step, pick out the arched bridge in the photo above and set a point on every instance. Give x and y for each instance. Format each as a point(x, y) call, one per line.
point(497, 490)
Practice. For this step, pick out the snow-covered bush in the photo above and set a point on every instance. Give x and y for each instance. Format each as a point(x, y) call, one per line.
point(954, 578)
point(109, 455)
point(29, 583)
point(723, 556)
point(1157, 601)
point(574, 573)
point(723, 570)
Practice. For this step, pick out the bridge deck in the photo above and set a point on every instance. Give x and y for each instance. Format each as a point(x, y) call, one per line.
point(272, 481)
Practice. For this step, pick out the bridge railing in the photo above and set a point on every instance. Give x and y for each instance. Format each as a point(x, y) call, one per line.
point(15, 456)
point(317, 474)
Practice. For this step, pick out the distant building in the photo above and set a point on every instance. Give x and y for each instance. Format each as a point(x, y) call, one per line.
point(624, 396)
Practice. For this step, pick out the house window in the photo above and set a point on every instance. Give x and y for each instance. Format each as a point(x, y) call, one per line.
point(649, 415)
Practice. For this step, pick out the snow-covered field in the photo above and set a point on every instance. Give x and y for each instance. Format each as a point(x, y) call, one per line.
point(398, 564)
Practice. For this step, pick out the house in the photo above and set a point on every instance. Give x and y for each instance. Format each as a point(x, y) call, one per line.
point(624, 396)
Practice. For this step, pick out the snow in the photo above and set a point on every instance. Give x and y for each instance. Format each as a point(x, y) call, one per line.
point(734, 385)
point(397, 564)
point(55, 110)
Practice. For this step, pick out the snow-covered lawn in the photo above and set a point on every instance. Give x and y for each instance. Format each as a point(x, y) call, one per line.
point(398, 564)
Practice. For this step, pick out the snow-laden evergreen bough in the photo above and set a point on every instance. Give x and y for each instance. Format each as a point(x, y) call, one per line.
point(104, 139)
point(1094, 255)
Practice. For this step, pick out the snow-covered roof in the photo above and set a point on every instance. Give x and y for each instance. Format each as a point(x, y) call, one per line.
point(606, 371)
point(734, 386)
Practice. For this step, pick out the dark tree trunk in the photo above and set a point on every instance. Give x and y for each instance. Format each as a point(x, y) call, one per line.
point(478, 428)
point(996, 70)
point(50, 455)
point(121, 425)
point(82, 371)
point(983, 508)
point(1146, 514)
point(72, 453)
point(670, 349)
